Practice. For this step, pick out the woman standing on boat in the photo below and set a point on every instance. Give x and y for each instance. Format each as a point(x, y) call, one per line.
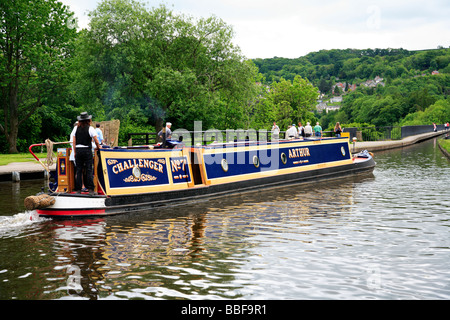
point(82, 140)
point(337, 129)
point(301, 130)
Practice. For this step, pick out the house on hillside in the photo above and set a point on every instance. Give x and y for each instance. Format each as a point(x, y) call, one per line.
point(325, 105)
point(435, 72)
point(336, 99)
point(378, 79)
point(332, 108)
point(369, 83)
point(374, 83)
point(321, 106)
point(340, 85)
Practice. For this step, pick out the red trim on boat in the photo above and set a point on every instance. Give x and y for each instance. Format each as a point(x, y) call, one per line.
point(71, 212)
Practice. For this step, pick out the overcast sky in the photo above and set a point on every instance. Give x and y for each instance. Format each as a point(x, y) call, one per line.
point(293, 28)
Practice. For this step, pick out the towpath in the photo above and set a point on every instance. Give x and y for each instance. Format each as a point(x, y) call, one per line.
point(26, 170)
point(374, 146)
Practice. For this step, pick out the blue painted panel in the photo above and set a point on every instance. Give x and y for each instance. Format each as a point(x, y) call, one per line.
point(180, 170)
point(62, 167)
point(136, 172)
point(306, 154)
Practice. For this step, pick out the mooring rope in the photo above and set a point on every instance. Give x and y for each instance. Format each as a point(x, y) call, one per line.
point(49, 146)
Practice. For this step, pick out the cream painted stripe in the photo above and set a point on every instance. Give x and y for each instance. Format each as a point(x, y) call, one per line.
point(300, 143)
point(148, 154)
point(169, 171)
point(147, 189)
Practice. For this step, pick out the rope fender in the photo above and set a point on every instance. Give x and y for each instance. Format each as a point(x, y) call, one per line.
point(39, 202)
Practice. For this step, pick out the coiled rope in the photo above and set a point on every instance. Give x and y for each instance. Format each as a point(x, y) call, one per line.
point(39, 202)
point(49, 160)
point(49, 145)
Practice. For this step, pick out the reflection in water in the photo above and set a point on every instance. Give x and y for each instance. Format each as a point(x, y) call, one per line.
point(195, 250)
point(12, 195)
point(379, 236)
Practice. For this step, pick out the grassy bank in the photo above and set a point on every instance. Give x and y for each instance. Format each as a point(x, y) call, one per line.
point(20, 157)
point(445, 145)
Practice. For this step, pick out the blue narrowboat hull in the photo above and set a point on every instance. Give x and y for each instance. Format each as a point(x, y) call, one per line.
point(137, 179)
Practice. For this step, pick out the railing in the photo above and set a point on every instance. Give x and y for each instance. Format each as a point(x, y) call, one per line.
point(142, 138)
point(194, 137)
point(375, 133)
point(360, 133)
point(389, 133)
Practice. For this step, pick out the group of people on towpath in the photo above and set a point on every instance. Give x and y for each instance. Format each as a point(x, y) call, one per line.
point(446, 126)
point(301, 131)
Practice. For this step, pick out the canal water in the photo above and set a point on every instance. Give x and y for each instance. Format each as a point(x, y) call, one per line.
point(380, 236)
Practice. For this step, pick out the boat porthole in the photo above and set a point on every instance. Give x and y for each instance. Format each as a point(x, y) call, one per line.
point(256, 161)
point(343, 151)
point(136, 172)
point(283, 158)
point(224, 164)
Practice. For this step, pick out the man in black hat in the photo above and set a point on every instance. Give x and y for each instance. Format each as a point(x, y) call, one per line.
point(82, 140)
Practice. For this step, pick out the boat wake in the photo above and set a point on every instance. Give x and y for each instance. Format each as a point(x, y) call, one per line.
point(12, 224)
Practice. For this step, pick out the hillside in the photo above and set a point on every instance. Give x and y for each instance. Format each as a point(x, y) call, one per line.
point(356, 65)
point(378, 86)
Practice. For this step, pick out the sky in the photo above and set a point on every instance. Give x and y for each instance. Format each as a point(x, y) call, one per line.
point(294, 28)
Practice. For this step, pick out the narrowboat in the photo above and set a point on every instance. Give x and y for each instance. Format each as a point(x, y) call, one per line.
point(129, 179)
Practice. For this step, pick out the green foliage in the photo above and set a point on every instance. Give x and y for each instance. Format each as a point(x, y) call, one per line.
point(445, 144)
point(437, 113)
point(20, 157)
point(409, 86)
point(353, 65)
point(163, 66)
point(36, 44)
point(397, 101)
point(147, 66)
point(285, 102)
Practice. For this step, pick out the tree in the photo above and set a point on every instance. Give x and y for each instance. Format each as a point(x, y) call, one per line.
point(324, 86)
point(291, 101)
point(164, 66)
point(35, 44)
point(438, 113)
